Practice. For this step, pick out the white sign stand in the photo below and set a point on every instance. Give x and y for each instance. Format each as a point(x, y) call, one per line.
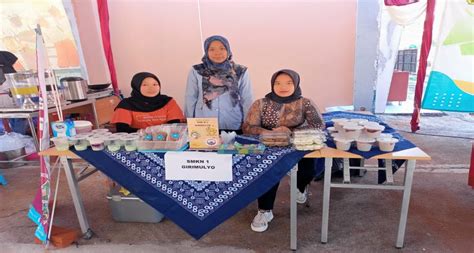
point(203, 166)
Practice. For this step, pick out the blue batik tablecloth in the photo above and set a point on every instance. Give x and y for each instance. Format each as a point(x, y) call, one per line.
point(402, 143)
point(195, 206)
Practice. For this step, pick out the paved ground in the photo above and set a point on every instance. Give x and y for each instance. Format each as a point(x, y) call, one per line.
point(441, 217)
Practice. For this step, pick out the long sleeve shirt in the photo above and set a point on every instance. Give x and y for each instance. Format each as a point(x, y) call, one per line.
point(266, 114)
point(229, 117)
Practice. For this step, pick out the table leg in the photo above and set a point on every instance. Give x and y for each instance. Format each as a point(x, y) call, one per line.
point(361, 170)
point(326, 195)
point(389, 171)
point(33, 132)
point(405, 203)
point(347, 171)
point(76, 197)
point(293, 211)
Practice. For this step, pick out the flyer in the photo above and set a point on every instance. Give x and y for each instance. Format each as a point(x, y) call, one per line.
point(203, 133)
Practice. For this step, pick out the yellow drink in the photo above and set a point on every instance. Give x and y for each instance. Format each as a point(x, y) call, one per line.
point(26, 90)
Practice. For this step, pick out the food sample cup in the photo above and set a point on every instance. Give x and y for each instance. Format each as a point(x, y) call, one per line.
point(131, 143)
point(365, 144)
point(97, 143)
point(61, 143)
point(343, 143)
point(113, 143)
point(81, 142)
point(387, 144)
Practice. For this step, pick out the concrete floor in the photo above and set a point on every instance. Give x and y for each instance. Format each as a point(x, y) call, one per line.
point(441, 215)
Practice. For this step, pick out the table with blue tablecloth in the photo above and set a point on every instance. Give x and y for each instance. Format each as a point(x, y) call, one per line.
point(199, 206)
point(195, 206)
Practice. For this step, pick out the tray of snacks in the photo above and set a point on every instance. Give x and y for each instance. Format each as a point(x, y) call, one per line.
point(308, 139)
point(238, 148)
point(279, 139)
point(165, 137)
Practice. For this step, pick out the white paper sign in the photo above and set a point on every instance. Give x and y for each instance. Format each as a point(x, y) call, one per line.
point(198, 166)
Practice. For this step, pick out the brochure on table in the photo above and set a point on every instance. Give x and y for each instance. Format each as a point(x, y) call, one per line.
point(203, 133)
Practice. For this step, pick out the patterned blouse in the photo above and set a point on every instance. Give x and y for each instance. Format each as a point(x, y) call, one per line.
point(268, 114)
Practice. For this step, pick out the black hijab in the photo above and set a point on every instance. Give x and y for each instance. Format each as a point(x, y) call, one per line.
point(7, 60)
point(139, 103)
point(296, 81)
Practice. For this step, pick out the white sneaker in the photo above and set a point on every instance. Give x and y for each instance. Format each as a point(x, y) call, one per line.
point(301, 198)
point(261, 220)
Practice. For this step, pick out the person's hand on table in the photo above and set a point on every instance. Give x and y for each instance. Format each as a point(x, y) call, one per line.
point(282, 129)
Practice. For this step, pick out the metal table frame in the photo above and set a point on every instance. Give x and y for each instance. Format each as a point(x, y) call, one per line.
point(28, 114)
point(411, 155)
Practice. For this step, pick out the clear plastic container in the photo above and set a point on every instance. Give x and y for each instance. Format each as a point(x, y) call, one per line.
point(97, 143)
point(120, 137)
point(100, 131)
point(275, 138)
point(80, 142)
point(82, 126)
point(61, 143)
point(131, 143)
point(72, 140)
point(173, 137)
point(113, 143)
point(24, 88)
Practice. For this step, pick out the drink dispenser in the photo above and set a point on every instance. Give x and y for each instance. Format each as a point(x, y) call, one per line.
point(24, 88)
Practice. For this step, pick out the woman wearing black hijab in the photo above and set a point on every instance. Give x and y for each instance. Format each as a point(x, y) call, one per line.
point(282, 110)
point(146, 106)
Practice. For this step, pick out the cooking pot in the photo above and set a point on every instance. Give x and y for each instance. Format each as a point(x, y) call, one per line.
point(75, 88)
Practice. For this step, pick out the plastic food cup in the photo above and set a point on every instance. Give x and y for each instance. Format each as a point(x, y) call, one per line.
point(61, 143)
point(81, 142)
point(359, 121)
point(113, 143)
point(82, 126)
point(343, 143)
point(387, 144)
point(97, 143)
point(337, 123)
point(131, 143)
point(383, 135)
point(120, 137)
point(351, 131)
point(100, 131)
point(331, 130)
point(365, 144)
point(373, 130)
